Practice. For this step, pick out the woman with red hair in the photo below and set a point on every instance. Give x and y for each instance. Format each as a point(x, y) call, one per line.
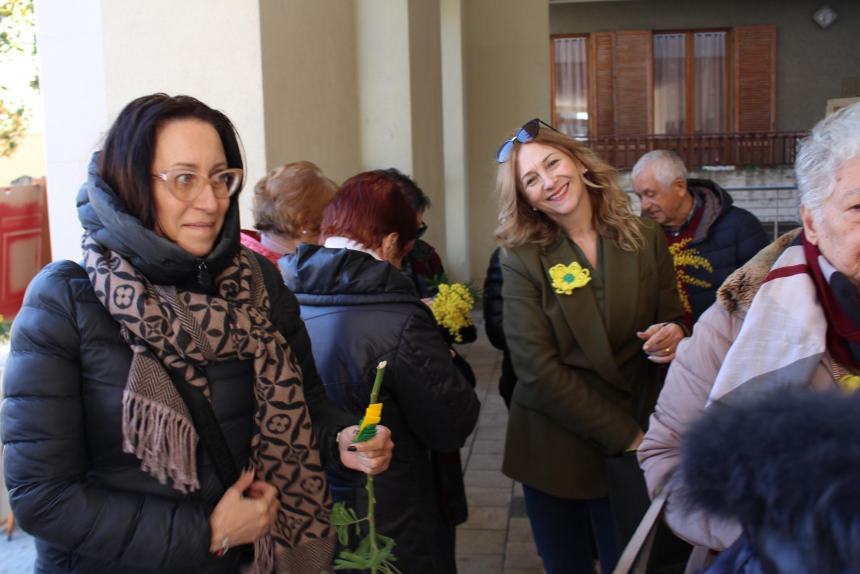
point(359, 309)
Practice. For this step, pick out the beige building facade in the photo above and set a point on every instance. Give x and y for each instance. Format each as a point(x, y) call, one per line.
point(430, 87)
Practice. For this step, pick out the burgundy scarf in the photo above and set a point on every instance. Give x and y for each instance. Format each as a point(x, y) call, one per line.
point(839, 299)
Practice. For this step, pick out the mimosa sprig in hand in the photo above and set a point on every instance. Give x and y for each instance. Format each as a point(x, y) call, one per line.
point(374, 551)
point(452, 308)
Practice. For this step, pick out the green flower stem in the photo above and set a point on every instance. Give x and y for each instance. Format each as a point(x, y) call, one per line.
point(371, 518)
point(377, 382)
point(371, 497)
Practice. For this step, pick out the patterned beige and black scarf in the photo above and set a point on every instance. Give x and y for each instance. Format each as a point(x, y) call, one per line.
point(182, 332)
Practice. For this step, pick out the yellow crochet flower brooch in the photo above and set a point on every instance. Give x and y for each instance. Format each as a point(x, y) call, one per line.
point(566, 278)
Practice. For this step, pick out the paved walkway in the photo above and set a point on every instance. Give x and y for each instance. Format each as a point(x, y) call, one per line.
point(496, 539)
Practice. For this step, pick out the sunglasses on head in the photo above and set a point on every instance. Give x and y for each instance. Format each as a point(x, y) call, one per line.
point(525, 134)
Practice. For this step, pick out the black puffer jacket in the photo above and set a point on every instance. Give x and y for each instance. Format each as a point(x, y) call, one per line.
point(493, 309)
point(87, 502)
point(360, 311)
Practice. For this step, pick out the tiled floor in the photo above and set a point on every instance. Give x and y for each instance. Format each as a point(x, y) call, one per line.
point(496, 539)
point(18, 554)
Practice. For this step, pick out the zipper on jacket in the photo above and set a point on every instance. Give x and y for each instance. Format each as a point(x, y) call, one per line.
point(203, 276)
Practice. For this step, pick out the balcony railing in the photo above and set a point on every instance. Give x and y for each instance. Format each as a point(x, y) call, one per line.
point(739, 149)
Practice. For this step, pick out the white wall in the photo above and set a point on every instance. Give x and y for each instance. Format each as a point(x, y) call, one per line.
point(73, 86)
point(209, 49)
point(97, 55)
point(384, 103)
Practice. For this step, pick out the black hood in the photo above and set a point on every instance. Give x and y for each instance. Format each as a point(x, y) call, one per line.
point(716, 201)
point(104, 215)
point(323, 276)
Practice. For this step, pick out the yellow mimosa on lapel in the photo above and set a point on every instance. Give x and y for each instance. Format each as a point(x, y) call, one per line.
point(566, 278)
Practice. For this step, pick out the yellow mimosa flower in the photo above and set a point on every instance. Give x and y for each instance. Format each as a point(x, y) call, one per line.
point(685, 257)
point(452, 308)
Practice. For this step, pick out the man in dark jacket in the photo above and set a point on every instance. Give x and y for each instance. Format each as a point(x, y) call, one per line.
point(708, 236)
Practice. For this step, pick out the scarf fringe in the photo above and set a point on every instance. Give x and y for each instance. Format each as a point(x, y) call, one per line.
point(264, 557)
point(163, 441)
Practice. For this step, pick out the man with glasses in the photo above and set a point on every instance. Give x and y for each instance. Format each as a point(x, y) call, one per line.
point(708, 236)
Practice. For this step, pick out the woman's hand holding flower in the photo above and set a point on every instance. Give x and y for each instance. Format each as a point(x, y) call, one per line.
point(371, 456)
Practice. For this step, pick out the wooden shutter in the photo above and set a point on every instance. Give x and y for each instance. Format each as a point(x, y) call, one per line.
point(602, 117)
point(633, 82)
point(754, 78)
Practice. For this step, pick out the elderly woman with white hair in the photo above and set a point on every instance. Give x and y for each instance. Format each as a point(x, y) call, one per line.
point(789, 317)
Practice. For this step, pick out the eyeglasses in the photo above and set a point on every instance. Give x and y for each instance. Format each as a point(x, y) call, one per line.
point(525, 134)
point(421, 229)
point(186, 185)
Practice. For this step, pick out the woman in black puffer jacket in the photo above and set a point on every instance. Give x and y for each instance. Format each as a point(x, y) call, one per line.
point(360, 309)
point(169, 348)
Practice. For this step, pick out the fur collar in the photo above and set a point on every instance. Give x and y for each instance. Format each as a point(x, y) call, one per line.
point(739, 289)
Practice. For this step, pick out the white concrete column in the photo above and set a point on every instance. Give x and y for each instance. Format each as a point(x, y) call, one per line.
point(455, 157)
point(72, 76)
point(98, 55)
point(209, 49)
point(384, 90)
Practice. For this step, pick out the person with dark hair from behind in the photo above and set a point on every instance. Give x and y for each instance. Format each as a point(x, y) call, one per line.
point(783, 465)
point(360, 309)
point(128, 371)
point(423, 266)
point(288, 206)
point(493, 304)
point(422, 263)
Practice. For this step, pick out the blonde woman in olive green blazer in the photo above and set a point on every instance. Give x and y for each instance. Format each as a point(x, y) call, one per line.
point(585, 339)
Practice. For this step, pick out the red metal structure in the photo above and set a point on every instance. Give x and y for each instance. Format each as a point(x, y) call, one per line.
point(24, 242)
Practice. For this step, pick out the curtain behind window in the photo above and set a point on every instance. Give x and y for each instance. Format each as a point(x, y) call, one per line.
point(571, 95)
point(710, 81)
point(670, 103)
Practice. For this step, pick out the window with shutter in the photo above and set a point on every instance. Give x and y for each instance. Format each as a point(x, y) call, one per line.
point(635, 82)
point(632, 82)
point(570, 85)
point(690, 82)
point(754, 78)
point(601, 101)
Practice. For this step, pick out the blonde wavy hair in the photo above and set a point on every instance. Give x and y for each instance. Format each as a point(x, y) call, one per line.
point(612, 216)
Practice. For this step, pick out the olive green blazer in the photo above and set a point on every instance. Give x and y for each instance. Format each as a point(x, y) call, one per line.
point(585, 387)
